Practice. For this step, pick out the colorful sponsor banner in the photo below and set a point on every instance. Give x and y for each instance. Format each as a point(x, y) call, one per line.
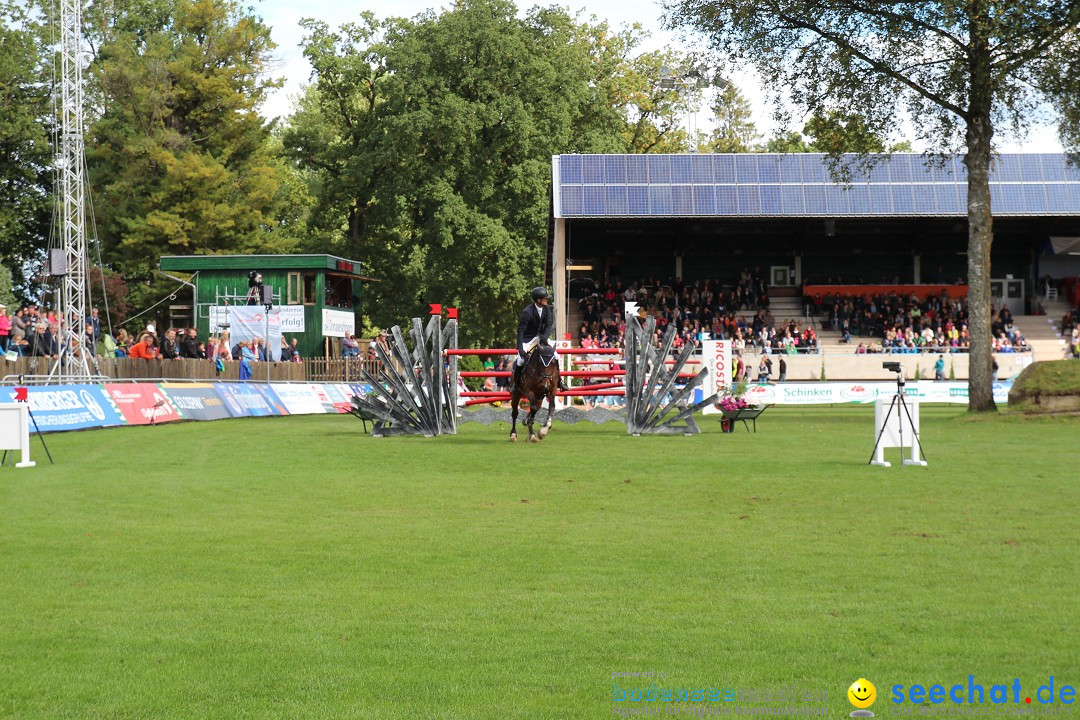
point(252, 321)
point(298, 398)
point(292, 317)
point(324, 398)
point(339, 396)
point(196, 401)
point(276, 406)
point(828, 393)
point(244, 400)
point(141, 403)
point(68, 407)
point(336, 322)
point(716, 356)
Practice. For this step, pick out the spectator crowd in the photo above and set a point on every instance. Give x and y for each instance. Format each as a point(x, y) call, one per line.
point(897, 324)
point(35, 332)
point(738, 312)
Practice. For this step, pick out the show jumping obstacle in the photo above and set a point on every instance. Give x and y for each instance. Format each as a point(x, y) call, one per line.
point(403, 401)
point(412, 394)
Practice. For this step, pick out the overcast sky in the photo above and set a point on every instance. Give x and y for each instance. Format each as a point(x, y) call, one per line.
point(283, 17)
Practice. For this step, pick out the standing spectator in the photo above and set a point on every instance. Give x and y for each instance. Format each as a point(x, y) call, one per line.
point(18, 330)
point(189, 346)
point(286, 350)
point(95, 322)
point(144, 349)
point(294, 347)
point(783, 370)
point(247, 356)
point(90, 338)
point(764, 369)
point(123, 342)
point(939, 368)
point(170, 348)
point(46, 343)
point(5, 328)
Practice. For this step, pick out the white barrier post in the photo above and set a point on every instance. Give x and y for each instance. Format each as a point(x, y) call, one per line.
point(896, 424)
point(15, 431)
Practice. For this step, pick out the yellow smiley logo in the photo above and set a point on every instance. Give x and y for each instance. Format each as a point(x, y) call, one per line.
point(862, 693)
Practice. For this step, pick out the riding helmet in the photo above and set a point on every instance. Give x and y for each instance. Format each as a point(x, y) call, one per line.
point(540, 292)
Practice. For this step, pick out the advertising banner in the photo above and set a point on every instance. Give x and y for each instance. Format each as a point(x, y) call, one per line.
point(828, 393)
point(196, 401)
point(68, 407)
point(244, 400)
point(292, 317)
point(141, 403)
point(336, 322)
point(272, 400)
point(338, 399)
point(251, 321)
point(716, 356)
point(298, 398)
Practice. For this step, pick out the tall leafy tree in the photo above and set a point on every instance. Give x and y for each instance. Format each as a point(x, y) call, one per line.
point(835, 133)
point(426, 144)
point(734, 130)
point(180, 160)
point(962, 69)
point(26, 152)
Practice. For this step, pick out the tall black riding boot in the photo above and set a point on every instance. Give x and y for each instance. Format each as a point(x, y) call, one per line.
point(516, 377)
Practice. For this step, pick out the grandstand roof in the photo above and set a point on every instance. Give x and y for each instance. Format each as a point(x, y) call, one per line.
point(765, 185)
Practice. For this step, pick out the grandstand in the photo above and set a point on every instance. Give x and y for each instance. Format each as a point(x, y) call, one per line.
point(902, 224)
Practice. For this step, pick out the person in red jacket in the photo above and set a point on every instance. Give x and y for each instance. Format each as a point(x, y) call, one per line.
point(144, 349)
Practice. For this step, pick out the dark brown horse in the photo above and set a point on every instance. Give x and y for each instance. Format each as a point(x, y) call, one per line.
point(539, 380)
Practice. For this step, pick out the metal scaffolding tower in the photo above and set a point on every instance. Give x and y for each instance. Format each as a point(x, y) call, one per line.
point(72, 366)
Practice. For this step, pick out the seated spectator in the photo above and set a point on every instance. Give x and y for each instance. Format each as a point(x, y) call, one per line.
point(349, 346)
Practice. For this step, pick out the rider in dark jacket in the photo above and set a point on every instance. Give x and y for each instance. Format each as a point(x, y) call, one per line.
point(533, 329)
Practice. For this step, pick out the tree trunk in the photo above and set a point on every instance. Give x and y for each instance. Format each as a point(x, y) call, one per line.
point(980, 132)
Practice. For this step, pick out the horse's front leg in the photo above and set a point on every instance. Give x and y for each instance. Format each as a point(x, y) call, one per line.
point(550, 414)
point(514, 400)
point(534, 407)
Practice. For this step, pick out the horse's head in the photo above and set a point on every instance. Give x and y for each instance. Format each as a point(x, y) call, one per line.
point(547, 369)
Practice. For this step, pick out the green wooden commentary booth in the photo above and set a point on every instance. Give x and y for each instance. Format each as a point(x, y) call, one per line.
point(315, 282)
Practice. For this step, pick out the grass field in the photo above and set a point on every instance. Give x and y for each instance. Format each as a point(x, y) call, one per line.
point(295, 568)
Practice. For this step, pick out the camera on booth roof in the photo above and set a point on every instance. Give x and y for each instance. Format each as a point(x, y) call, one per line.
point(255, 279)
point(891, 366)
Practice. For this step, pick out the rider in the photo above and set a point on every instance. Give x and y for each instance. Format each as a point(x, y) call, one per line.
point(533, 329)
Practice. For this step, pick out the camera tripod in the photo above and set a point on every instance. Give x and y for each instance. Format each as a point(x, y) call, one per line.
point(896, 405)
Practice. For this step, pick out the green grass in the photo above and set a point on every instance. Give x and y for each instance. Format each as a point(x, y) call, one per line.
point(295, 568)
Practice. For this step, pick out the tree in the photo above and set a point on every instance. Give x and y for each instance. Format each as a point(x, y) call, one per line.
point(25, 148)
point(426, 146)
point(960, 68)
point(180, 160)
point(735, 131)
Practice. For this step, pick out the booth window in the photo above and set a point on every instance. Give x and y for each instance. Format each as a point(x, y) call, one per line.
point(339, 291)
point(294, 290)
point(300, 288)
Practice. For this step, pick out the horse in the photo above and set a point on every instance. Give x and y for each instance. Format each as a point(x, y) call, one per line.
point(539, 380)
